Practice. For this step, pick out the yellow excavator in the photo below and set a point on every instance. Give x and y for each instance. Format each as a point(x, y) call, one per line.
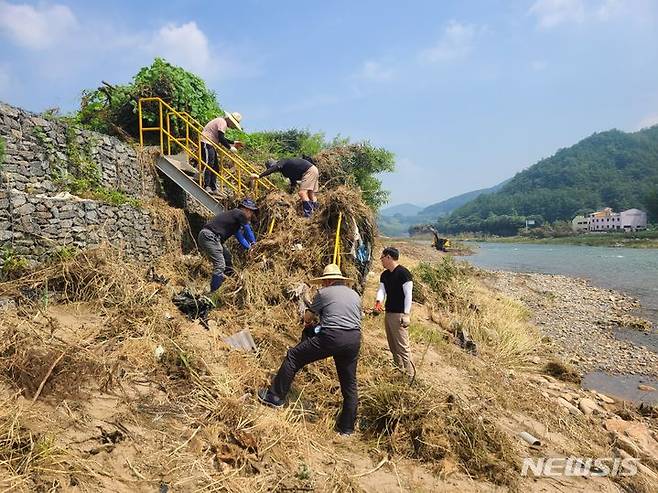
point(441, 244)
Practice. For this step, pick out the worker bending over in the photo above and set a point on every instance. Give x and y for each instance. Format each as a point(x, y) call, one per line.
point(297, 170)
point(339, 309)
point(213, 236)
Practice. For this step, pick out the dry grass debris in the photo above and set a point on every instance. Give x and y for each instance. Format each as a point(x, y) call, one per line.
point(499, 326)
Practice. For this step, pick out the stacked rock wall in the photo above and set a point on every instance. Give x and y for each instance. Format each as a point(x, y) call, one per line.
point(37, 150)
point(37, 218)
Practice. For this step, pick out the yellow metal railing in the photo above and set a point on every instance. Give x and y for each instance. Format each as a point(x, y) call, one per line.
point(336, 259)
point(237, 179)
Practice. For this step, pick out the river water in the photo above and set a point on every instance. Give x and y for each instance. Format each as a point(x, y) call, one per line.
point(632, 271)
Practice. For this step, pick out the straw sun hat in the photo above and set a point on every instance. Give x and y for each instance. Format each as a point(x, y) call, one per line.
point(331, 271)
point(235, 118)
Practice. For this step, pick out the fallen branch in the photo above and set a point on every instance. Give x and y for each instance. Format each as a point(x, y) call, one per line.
point(377, 467)
point(45, 379)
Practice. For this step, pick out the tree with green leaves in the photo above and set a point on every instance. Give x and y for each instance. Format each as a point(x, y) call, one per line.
point(112, 109)
point(357, 164)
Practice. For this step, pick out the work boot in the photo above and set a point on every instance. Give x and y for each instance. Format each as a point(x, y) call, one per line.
point(307, 207)
point(216, 281)
point(343, 438)
point(269, 399)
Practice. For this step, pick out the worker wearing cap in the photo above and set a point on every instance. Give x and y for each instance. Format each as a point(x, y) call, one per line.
point(297, 170)
point(215, 132)
point(396, 286)
point(339, 309)
point(215, 232)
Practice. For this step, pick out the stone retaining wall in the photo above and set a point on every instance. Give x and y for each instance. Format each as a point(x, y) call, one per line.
point(37, 149)
point(36, 226)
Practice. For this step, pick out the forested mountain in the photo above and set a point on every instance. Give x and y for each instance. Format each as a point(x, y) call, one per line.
point(402, 209)
point(608, 169)
point(396, 220)
point(445, 207)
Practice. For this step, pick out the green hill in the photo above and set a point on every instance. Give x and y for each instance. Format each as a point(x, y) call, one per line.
point(401, 209)
point(396, 220)
point(608, 169)
point(445, 207)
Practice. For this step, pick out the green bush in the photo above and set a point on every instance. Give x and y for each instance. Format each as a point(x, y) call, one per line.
point(113, 197)
point(438, 277)
point(113, 109)
point(13, 264)
point(364, 164)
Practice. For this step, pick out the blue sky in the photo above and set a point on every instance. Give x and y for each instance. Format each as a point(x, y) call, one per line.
point(464, 93)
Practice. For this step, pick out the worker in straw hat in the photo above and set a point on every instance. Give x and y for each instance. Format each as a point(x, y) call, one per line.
point(213, 236)
point(339, 309)
point(302, 170)
point(215, 133)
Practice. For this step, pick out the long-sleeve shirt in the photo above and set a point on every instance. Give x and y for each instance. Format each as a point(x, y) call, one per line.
point(291, 168)
point(215, 131)
point(233, 222)
point(396, 287)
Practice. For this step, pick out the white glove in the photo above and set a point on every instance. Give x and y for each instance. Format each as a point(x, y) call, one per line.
point(405, 320)
point(234, 149)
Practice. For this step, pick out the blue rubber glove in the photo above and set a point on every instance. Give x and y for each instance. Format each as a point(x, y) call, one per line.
point(249, 233)
point(243, 241)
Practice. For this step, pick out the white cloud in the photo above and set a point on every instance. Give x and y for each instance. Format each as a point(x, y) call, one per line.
point(648, 121)
point(552, 13)
point(609, 9)
point(456, 42)
point(36, 28)
point(188, 46)
point(375, 71)
point(539, 65)
point(185, 45)
point(75, 46)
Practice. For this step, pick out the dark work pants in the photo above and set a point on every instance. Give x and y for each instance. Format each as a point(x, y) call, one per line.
point(211, 245)
point(209, 155)
point(344, 346)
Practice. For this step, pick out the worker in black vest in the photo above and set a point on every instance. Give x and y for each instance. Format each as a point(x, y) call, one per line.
point(296, 170)
point(215, 232)
point(396, 287)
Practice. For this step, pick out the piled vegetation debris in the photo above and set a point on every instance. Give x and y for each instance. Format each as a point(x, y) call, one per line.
point(297, 249)
point(421, 422)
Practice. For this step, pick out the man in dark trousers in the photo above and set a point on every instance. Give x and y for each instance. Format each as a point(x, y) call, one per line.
point(396, 286)
point(215, 132)
point(297, 169)
point(339, 309)
point(215, 232)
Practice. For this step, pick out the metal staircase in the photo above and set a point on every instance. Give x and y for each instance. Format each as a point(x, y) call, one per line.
point(180, 142)
point(172, 169)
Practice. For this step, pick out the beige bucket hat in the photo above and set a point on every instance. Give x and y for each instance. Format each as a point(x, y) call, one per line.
point(235, 118)
point(331, 271)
